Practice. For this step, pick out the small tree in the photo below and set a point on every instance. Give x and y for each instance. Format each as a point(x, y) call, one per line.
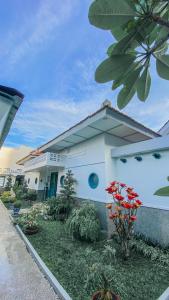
point(123, 212)
point(67, 192)
point(8, 185)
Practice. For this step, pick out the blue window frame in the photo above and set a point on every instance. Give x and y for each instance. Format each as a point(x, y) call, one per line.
point(62, 178)
point(93, 181)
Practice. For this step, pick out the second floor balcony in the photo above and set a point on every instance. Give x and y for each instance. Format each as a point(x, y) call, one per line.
point(47, 159)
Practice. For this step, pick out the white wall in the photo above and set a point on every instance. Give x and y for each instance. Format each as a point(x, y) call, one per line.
point(83, 159)
point(32, 176)
point(146, 177)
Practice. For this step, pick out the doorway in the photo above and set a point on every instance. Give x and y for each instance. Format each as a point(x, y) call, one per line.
point(53, 184)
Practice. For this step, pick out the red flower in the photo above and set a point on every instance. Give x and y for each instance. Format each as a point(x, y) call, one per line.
point(126, 205)
point(113, 183)
point(131, 197)
point(122, 184)
point(129, 190)
point(139, 202)
point(111, 189)
point(112, 216)
point(118, 197)
point(134, 194)
point(109, 205)
point(133, 218)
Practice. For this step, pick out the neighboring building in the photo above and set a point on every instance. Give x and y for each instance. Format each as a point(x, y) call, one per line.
point(106, 146)
point(8, 158)
point(10, 101)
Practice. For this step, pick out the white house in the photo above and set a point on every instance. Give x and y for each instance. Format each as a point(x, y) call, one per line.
point(107, 145)
point(10, 101)
point(8, 166)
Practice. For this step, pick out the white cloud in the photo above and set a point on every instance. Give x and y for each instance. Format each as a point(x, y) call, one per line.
point(38, 29)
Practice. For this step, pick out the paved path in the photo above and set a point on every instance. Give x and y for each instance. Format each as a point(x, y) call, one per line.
point(20, 278)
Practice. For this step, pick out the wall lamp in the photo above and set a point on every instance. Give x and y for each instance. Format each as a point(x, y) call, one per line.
point(157, 155)
point(138, 158)
point(123, 160)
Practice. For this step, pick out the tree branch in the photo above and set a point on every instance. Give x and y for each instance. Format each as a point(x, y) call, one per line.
point(160, 21)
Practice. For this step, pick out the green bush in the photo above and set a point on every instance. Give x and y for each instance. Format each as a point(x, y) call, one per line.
point(58, 209)
point(18, 204)
point(83, 224)
point(31, 195)
point(6, 196)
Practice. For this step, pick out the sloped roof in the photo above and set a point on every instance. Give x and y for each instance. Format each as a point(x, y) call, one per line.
point(105, 120)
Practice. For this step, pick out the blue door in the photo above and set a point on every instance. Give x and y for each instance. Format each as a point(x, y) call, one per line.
point(53, 184)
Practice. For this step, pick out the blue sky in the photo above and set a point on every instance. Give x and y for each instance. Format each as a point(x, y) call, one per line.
point(50, 53)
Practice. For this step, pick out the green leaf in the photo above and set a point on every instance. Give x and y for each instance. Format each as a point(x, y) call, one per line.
point(143, 85)
point(118, 33)
point(163, 192)
point(108, 14)
point(129, 89)
point(110, 49)
point(121, 80)
point(113, 67)
point(125, 43)
point(162, 65)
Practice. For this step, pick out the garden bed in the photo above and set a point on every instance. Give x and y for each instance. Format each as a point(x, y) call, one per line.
point(69, 261)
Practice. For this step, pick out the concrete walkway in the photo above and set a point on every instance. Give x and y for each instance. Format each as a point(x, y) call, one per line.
point(20, 278)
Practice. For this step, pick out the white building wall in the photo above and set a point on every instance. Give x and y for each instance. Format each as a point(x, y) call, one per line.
point(30, 178)
point(83, 159)
point(146, 177)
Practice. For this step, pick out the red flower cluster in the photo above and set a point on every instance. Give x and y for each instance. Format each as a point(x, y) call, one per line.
point(125, 202)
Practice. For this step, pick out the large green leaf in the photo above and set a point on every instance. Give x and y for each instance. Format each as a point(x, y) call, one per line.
point(107, 14)
point(162, 65)
point(113, 67)
point(129, 89)
point(118, 33)
point(143, 85)
point(163, 192)
point(125, 43)
point(121, 79)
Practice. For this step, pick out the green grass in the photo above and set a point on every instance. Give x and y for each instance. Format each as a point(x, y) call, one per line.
point(142, 278)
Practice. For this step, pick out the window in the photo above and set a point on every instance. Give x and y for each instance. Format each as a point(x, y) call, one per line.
point(28, 180)
point(62, 178)
point(93, 181)
point(36, 180)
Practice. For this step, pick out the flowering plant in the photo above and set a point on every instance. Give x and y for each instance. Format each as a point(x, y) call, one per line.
point(123, 212)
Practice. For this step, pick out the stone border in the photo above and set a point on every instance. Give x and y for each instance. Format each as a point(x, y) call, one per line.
point(165, 295)
point(47, 273)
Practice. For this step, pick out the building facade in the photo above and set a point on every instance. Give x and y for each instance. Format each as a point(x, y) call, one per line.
point(8, 166)
point(106, 146)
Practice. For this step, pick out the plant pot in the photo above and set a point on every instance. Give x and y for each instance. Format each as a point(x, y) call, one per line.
point(16, 211)
point(31, 231)
point(97, 296)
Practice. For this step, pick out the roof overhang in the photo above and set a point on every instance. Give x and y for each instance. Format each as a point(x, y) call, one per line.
point(106, 120)
point(10, 101)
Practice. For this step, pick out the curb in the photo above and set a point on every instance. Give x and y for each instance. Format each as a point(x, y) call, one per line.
point(47, 273)
point(165, 295)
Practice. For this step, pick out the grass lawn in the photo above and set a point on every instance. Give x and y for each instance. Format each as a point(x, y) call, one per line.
point(69, 260)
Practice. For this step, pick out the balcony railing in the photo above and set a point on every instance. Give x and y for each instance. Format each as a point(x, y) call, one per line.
point(46, 159)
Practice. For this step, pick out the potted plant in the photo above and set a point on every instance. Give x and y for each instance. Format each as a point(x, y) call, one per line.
point(105, 295)
point(29, 222)
point(16, 207)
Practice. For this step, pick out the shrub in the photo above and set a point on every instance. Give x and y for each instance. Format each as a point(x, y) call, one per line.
point(8, 185)
point(29, 221)
point(6, 196)
point(17, 204)
point(31, 195)
point(58, 209)
point(123, 212)
point(84, 224)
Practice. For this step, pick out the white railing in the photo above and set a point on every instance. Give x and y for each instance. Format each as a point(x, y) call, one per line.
point(46, 159)
point(9, 171)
